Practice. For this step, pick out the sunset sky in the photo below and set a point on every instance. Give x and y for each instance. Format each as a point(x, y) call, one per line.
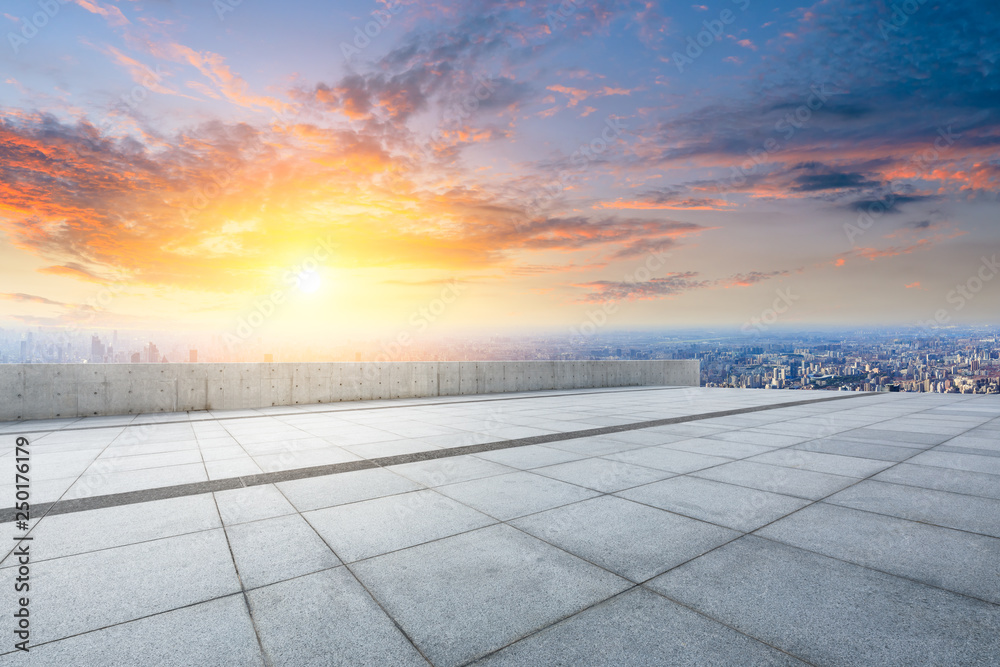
point(172, 163)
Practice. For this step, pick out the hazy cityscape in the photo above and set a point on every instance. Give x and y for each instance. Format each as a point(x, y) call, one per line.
point(959, 360)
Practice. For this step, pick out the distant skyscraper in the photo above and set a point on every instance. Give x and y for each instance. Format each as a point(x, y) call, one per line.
point(135, 357)
point(96, 350)
point(152, 354)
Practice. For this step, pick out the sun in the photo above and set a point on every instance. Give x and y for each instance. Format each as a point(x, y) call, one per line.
point(308, 281)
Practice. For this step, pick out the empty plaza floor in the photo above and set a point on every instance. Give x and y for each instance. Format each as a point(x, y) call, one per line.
point(629, 526)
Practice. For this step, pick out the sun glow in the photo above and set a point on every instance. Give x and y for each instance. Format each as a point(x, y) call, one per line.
point(308, 282)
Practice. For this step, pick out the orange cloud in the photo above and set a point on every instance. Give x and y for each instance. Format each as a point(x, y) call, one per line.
point(577, 95)
point(111, 13)
point(872, 254)
point(72, 270)
point(229, 84)
point(748, 279)
point(141, 74)
point(211, 209)
point(30, 298)
point(691, 204)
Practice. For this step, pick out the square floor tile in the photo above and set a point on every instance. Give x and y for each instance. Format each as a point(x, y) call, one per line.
point(904, 438)
point(866, 450)
point(603, 475)
point(450, 470)
point(941, 508)
point(273, 550)
point(528, 457)
point(764, 438)
point(778, 479)
point(375, 450)
point(598, 445)
point(252, 503)
point(634, 541)
point(97, 482)
point(733, 450)
point(101, 588)
point(943, 479)
point(638, 628)
point(956, 560)
point(671, 460)
point(373, 527)
point(109, 527)
point(231, 642)
point(325, 619)
point(834, 464)
point(829, 612)
point(230, 468)
point(467, 595)
point(515, 494)
point(959, 461)
point(727, 505)
point(349, 487)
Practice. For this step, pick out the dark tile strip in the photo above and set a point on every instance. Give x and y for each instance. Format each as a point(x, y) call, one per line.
point(955, 449)
point(162, 493)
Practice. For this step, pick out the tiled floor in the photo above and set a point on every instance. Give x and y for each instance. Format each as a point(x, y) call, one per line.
point(857, 531)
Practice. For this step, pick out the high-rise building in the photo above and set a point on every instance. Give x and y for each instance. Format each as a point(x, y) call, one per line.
point(96, 350)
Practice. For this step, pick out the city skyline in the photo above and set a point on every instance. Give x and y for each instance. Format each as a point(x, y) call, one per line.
point(310, 172)
point(956, 360)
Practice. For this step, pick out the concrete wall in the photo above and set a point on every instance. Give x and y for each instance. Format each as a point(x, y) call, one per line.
point(43, 391)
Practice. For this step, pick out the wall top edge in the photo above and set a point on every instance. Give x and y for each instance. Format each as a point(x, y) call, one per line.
point(304, 363)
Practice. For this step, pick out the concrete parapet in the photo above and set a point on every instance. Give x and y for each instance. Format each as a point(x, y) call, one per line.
point(46, 391)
